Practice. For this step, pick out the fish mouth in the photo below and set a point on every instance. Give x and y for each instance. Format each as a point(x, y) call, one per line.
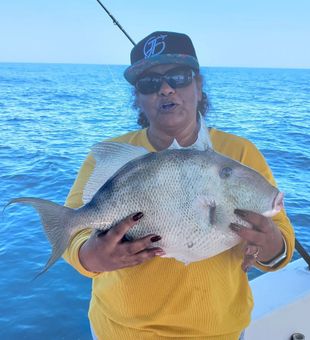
point(277, 205)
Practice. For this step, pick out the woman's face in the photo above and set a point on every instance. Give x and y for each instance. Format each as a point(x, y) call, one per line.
point(170, 109)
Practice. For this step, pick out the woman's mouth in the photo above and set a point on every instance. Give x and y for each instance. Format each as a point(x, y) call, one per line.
point(168, 107)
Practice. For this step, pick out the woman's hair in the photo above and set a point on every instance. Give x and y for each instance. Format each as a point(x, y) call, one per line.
point(202, 107)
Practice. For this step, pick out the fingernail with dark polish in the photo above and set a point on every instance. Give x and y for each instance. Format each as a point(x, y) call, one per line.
point(137, 216)
point(101, 233)
point(155, 238)
point(234, 227)
point(240, 212)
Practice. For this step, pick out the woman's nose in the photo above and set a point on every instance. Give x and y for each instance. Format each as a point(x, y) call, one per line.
point(165, 89)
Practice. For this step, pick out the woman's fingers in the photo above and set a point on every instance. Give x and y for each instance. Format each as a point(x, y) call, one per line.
point(109, 250)
point(259, 222)
point(263, 241)
point(251, 254)
point(136, 246)
point(147, 254)
point(116, 233)
point(250, 235)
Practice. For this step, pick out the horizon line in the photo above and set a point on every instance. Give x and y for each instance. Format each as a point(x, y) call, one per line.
point(126, 65)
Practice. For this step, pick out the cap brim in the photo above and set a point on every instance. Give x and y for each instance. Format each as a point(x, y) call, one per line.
point(134, 71)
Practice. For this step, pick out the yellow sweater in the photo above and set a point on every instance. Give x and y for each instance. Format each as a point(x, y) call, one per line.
point(163, 298)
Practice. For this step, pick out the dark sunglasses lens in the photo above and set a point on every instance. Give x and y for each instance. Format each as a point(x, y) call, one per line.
point(176, 78)
point(149, 84)
point(179, 78)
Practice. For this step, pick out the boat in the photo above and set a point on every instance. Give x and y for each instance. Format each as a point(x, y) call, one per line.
point(281, 304)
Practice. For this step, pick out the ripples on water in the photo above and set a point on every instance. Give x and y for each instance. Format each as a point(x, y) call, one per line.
point(52, 114)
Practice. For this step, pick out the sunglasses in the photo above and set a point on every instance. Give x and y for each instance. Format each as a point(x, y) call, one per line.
point(176, 78)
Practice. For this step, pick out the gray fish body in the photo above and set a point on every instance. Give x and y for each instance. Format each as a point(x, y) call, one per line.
point(188, 197)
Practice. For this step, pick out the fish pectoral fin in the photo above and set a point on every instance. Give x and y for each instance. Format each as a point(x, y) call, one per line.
point(110, 157)
point(212, 210)
point(206, 208)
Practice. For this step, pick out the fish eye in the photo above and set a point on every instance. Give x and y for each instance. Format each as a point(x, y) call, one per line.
point(225, 172)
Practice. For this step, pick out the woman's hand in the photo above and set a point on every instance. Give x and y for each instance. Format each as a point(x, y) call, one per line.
point(107, 251)
point(263, 242)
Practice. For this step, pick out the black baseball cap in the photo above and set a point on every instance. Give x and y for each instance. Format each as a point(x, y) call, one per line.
point(161, 48)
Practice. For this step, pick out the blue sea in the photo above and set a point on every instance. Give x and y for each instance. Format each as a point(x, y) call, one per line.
point(50, 116)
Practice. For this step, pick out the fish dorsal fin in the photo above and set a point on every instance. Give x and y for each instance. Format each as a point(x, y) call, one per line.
point(110, 157)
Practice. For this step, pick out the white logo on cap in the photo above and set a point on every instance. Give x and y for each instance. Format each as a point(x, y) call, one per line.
point(154, 46)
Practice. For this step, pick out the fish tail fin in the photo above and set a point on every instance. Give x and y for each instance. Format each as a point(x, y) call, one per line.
point(58, 229)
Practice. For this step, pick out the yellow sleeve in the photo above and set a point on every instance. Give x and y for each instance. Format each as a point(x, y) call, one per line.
point(74, 200)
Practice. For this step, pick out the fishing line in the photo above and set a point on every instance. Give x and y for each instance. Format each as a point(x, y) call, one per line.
point(115, 22)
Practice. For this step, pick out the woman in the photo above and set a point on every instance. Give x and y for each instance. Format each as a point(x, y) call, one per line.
point(136, 293)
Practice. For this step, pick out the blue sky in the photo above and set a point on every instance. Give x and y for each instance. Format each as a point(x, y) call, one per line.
point(264, 33)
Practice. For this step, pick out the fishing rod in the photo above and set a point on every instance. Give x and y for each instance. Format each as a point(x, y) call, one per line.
point(115, 22)
point(300, 249)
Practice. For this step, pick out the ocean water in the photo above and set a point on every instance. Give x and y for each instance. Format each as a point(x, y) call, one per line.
point(50, 115)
